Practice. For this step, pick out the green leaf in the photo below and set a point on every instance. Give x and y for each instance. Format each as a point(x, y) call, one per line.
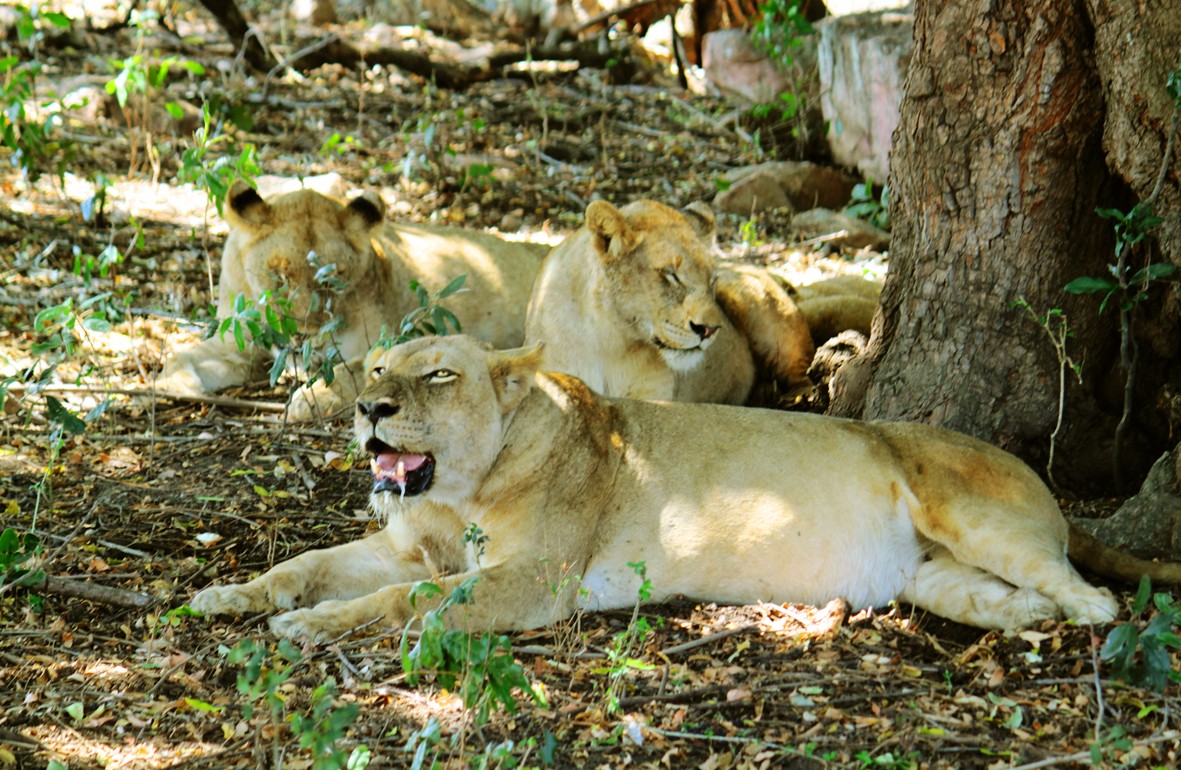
point(76, 711)
point(1143, 594)
point(174, 110)
point(451, 288)
point(1120, 641)
point(59, 20)
point(58, 413)
point(201, 705)
point(1090, 285)
point(1153, 272)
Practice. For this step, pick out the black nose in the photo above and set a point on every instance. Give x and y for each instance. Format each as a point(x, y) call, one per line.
point(703, 331)
point(376, 410)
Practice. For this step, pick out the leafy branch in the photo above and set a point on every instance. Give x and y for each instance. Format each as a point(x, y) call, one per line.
point(1128, 286)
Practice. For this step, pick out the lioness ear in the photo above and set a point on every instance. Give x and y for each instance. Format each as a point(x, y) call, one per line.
point(701, 219)
point(247, 208)
point(363, 212)
point(512, 374)
point(611, 234)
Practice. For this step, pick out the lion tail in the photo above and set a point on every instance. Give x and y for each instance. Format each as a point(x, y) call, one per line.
point(1087, 550)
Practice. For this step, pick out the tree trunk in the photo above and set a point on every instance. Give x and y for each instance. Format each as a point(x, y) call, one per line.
point(231, 20)
point(1008, 141)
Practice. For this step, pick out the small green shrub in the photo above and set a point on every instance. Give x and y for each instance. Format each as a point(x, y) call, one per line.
point(1140, 656)
point(318, 729)
point(430, 317)
point(866, 205)
point(478, 666)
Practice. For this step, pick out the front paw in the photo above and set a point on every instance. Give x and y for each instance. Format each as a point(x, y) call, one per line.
point(275, 591)
point(222, 600)
point(315, 402)
point(324, 622)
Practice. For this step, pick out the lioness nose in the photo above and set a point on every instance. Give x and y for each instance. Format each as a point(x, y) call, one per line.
point(376, 410)
point(703, 331)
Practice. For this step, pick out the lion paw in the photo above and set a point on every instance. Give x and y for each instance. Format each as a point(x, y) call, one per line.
point(1091, 607)
point(313, 403)
point(221, 600)
point(1026, 606)
point(321, 623)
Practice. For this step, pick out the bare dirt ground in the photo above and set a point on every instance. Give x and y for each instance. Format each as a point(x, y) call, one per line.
point(161, 499)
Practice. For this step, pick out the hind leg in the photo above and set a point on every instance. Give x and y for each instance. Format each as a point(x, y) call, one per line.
point(967, 594)
point(1025, 551)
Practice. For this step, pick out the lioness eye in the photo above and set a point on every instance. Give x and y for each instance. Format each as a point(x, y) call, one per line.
point(376, 371)
point(441, 375)
point(671, 277)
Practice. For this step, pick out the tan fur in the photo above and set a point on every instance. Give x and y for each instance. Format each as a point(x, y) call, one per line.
point(838, 304)
point(720, 503)
point(628, 305)
point(267, 250)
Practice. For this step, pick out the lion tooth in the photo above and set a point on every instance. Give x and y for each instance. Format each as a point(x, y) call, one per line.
point(400, 469)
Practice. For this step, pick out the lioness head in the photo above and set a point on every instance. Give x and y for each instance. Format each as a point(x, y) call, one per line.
point(660, 268)
point(304, 242)
point(432, 415)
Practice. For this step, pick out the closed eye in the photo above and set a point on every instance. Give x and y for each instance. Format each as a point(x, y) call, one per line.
point(441, 375)
point(672, 277)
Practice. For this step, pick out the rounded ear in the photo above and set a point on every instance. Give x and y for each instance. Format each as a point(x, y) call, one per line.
point(610, 232)
point(512, 374)
point(246, 208)
point(364, 212)
point(701, 219)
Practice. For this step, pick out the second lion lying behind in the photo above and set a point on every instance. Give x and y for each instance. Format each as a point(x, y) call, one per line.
point(348, 265)
point(635, 305)
point(720, 503)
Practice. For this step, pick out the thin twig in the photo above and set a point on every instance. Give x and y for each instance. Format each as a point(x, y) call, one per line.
point(694, 644)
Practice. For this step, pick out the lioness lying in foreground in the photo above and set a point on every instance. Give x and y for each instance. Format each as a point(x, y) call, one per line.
point(348, 264)
point(635, 305)
point(721, 503)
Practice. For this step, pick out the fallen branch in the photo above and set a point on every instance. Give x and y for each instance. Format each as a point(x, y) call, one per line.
point(233, 403)
point(452, 75)
point(95, 592)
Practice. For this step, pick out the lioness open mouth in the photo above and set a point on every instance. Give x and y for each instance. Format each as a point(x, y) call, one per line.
point(405, 473)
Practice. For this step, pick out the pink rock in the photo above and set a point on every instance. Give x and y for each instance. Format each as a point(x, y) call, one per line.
point(738, 69)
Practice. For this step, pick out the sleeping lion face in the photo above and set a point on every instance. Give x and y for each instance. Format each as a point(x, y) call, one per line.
point(660, 266)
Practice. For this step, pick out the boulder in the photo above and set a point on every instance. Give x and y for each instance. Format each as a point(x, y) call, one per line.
point(806, 185)
point(752, 194)
point(845, 231)
point(1149, 524)
point(738, 69)
point(863, 60)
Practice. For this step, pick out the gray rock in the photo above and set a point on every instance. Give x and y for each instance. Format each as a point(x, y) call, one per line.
point(847, 231)
point(753, 194)
point(1149, 524)
point(807, 185)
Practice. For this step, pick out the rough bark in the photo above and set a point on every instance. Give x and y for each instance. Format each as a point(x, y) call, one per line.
point(998, 165)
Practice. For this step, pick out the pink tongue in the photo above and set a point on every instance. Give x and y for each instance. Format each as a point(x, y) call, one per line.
point(387, 462)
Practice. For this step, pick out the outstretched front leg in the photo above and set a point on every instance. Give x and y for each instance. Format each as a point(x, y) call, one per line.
point(344, 572)
point(503, 598)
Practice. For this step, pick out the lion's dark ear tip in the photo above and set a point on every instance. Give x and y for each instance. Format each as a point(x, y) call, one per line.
point(243, 196)
point(369, 209)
